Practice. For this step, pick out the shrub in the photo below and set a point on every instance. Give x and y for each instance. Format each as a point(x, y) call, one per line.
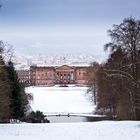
point(36, 117)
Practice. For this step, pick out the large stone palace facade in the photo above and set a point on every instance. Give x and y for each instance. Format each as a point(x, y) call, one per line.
point(49, 76)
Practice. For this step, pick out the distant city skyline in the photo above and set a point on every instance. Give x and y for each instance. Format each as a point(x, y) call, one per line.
point(62, 26)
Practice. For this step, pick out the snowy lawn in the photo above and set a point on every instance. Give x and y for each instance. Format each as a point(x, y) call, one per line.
point(106, 130)
point(60, 99)
point(72, 99)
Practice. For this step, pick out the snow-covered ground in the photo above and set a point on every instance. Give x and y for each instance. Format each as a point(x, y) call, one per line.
point(106, 130)
point(72, 99)
point(60, 99)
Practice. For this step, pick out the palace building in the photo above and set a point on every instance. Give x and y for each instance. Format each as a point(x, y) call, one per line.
point(62, 75)
point(54, 75)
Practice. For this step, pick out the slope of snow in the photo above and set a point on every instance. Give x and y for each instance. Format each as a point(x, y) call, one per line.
point(106, 130)
point(60, 99)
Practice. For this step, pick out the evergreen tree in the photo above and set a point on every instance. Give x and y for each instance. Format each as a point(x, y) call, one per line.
point(18, 97)
point(13, 99)
point(5, 91)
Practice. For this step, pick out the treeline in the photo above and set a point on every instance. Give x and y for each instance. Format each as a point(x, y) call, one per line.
point(13, 100)
point(116, 83)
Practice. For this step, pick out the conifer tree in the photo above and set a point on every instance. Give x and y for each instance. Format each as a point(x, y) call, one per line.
point(12, 93)
point(5, 91)
point(18, 97)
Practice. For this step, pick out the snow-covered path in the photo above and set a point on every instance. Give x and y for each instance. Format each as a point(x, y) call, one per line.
point(105, 130)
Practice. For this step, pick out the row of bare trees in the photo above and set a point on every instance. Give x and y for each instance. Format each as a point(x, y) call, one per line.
point(116, 83)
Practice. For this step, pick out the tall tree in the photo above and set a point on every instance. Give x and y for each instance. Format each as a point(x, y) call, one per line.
point(5, 91)
point(118, 80)
point(92, 80)
point(18, 97)
point(12, 93)
point(127, 37)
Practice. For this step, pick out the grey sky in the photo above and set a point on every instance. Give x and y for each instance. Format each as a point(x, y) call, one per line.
point(62, 26)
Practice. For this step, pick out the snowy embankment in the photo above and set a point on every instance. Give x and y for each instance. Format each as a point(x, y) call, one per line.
point(105, 130)
point(60, 100)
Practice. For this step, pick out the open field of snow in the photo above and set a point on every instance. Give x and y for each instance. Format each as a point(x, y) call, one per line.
point(72, 99)
point(60, 99)
point(105, 130)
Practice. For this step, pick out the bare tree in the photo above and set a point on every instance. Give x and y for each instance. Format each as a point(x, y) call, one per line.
point(92, 80)
point(118, 80)
point(126, 36)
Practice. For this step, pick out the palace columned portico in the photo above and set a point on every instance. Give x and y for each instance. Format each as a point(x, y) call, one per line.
point(65, 75)
point(65, 78)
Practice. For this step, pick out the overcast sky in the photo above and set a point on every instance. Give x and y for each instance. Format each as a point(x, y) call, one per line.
point(62, 26)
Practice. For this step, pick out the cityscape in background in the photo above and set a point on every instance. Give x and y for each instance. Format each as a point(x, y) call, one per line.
point(25, 61)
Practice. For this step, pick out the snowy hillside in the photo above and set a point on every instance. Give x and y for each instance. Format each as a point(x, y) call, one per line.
point(106, 130)
point(60, 99)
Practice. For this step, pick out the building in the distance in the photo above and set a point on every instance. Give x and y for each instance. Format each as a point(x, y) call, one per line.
point(24, 76)
point(54, 75)
point(63, 75)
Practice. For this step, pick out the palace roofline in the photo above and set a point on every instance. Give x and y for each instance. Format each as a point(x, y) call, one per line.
point(56, 66)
